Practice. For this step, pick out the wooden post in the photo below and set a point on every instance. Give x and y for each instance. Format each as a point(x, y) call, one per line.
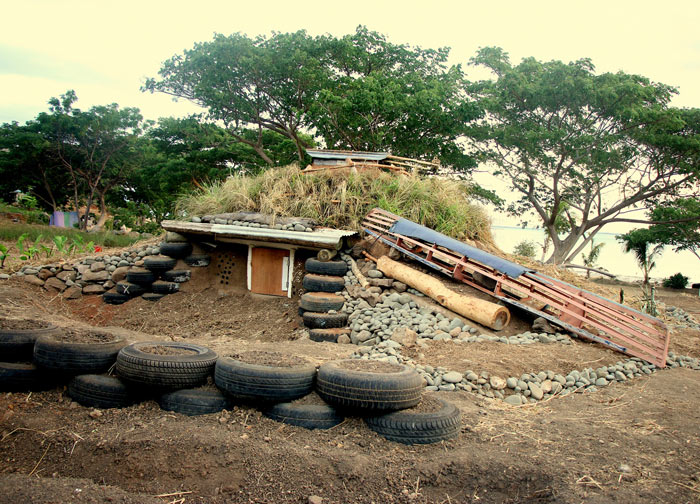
point(484, 312)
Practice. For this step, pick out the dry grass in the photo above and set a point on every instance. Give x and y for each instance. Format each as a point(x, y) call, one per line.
point(341, 200)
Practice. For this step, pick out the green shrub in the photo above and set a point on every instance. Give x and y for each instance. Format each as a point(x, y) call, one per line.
point(525, 248)
point(677, 281)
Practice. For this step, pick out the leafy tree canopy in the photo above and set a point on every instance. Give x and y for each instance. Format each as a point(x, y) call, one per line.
point(358, 92)
point(680, 224)
point(600, 144)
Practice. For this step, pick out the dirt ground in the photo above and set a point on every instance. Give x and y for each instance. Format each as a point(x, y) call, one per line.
point(631, 442)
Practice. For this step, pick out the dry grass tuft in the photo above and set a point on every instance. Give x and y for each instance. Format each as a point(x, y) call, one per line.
point(341, 200)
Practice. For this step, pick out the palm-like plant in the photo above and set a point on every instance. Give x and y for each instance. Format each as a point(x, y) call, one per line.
point(639, 242)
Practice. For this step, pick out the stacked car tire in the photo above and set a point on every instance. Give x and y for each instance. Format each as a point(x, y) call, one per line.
point(387, 394)
point(159, 275)
point(43, 358)
point(320, 306)
point(179, 377)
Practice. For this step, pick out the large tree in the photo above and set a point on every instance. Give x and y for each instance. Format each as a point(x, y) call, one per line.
point(597, 145)
point(96, 147)
point(251, 84)
point(357, 92)
point(383, 96)
point(27, 164)
point(676, 222)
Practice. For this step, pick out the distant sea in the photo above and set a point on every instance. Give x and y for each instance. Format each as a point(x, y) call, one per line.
point(612, 257)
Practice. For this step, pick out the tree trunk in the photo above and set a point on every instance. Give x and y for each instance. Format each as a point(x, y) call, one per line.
point(103, 211)
point(88, 204)
point(48, 189)
point(562, 248)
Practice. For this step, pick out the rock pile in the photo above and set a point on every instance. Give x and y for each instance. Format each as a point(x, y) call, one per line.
point(91, 275)
point(529, 387)
point(213, 219)
point(683, 318)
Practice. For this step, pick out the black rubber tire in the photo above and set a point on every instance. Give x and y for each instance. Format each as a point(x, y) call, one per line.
point(152, 296)
point(195, 401)
point(323, 283)
point(162, 287)
point(418, 428)
point(159, 264)
point(331, 335)
point(309, 416)
point(178, 250)
point(179, 276)
point(198, 260)
point(18, 344)
point(367, 390)
point(321, 302)
point(338, 268)
point(76, 358)
point(115, 298)
point(141, 276)
point(256, 382)
point(130, 289)
point(21, 377)
point(100, 391)
point(315, 320)
point(165, 371)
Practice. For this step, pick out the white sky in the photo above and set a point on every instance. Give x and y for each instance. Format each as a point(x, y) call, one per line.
point(105, 50)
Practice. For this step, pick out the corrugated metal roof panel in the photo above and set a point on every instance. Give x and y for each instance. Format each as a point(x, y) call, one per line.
point(336, 154)
point(319, 239)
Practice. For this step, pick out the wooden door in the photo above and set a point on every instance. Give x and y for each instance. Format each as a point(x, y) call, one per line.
point(269, 270)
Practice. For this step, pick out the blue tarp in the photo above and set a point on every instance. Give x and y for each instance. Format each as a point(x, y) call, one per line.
point(413, 230)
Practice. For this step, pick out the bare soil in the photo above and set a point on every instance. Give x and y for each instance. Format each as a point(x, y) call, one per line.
point(8, 324)
point(370, 366)
point(167, 350)
point(428, 404)
point(272, 359)
point(632, 442)
point(80, 335)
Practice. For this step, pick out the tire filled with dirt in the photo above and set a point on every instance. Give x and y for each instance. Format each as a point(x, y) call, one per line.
point(195, 401)
point(309, 412)
point(178, 250)
point(179, 276)
point(316, 320)
point(100, 391)
point(321, 302)
point(77, 351)
point(17, 337)
point(323, 283)
point(336, 268)
point(115, 298)
point(198, 260)
point(130, 289)
point(431, 421)
point(159, 264)
point(165, 364)
point(21, 377)
point(140, 276)
point(366, 385)
point(330, 335)
point(265, 376)
point(163, 287)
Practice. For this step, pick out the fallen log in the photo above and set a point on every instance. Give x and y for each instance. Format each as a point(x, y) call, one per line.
point(484, 312)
